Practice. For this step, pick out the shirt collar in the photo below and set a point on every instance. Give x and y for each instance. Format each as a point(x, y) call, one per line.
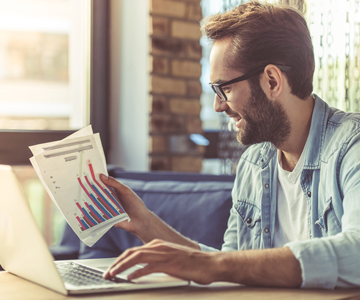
point(320, 115)
point(268, 150)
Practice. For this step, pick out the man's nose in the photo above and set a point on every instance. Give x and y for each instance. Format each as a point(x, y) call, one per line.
point(219, 106)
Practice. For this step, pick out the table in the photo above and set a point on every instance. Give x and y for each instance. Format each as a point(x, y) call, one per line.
point(13, 287)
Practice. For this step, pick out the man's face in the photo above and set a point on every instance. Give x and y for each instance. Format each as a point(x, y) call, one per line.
point(263, 119)
point(257, 118)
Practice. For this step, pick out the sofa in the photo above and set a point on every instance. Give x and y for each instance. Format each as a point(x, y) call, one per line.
point(196, 205)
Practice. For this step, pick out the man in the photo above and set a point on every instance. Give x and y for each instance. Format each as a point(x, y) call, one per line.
point(296, 197)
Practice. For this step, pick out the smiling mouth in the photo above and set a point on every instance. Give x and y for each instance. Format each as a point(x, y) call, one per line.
point(236, 118)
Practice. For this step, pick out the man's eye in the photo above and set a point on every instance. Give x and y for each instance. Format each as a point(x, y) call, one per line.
point(226, 89)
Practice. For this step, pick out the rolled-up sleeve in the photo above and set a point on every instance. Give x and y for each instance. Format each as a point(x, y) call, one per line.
point(231, 233)
point(207, 248)
point(329, 262)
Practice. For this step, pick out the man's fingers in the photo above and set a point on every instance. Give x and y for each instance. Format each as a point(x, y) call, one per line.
point(146, 270)
point(137, 257)
point(112, 182)
point(108, 180)
point(118, 260)
point(154, 245)
point(124, 255)
point(140, 257)
point(127, 253)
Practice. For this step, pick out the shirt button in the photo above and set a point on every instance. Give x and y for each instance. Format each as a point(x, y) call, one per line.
point(266, 230)
point(309, 194)
point(266, 185)
point(248, 220)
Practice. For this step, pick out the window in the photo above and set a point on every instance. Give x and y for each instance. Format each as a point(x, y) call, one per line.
point(44, 53)
point(53, 81)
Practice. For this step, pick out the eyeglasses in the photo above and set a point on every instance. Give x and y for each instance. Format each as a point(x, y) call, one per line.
point(217, 87)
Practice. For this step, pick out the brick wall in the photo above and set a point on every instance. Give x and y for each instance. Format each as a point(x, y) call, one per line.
point(175, 88)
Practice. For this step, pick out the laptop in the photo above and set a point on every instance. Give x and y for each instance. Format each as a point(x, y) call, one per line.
point(24, 253)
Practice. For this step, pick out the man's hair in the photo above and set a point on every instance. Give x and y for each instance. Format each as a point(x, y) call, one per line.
point(266, 34)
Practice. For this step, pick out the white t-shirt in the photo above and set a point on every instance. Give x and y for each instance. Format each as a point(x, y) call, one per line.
point(291, 221)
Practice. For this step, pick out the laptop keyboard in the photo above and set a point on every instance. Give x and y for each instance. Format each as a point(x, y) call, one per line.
point(78, 275)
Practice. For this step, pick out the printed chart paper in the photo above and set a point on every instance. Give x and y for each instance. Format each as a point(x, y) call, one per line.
point(69, 170)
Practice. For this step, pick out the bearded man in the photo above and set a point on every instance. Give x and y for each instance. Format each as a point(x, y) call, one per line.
point(296, 197)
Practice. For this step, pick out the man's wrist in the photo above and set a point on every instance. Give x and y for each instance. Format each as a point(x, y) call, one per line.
point(222, 265)
point(146, 223)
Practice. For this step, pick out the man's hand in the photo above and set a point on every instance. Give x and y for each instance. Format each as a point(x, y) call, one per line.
point(132, 204)
point(267, 267)
point(144, 224)
point(175, 260)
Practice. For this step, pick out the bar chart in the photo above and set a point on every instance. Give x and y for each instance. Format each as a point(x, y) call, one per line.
point(101, 204)
point(70, 171)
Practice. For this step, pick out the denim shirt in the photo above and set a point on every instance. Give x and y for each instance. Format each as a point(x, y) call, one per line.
point(330, 181)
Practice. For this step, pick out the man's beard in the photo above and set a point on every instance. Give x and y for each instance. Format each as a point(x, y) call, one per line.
point(263, 120)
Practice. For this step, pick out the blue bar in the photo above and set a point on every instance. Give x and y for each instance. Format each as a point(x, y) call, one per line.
point(90, 218)
point(112, 190)
point(110, 196)
point(98, 203)
point(84, 224)
point(102, 197)
point(96, 213)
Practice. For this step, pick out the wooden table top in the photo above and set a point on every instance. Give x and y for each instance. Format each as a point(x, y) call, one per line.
point(13, 287)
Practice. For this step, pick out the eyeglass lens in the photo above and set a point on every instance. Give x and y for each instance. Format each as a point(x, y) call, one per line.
point(218, 91)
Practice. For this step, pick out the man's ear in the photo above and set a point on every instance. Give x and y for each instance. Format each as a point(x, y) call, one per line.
point(272, 81)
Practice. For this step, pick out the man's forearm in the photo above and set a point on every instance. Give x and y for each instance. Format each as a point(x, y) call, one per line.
point(154, 228)
point(269, 267)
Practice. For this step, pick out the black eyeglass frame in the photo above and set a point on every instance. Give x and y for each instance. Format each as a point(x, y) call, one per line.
point(217, 87)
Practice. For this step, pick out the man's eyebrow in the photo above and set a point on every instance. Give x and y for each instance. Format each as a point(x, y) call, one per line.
point(218, 81)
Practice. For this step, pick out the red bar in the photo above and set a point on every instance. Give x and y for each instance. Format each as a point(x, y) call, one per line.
point(107, 206)
point(87, 222)
point(99, 185)
point(82, 226)
point(85, 217)
point(87, 193)
point(101, 200)
point(91, 213)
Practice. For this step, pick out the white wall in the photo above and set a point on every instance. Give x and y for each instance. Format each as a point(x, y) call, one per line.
point(129, 92)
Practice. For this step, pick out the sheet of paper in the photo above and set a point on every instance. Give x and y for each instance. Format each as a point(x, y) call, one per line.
point(69, 170)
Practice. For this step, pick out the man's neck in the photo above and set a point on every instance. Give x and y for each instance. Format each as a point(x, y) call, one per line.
point(288, 162)
point(300, 114)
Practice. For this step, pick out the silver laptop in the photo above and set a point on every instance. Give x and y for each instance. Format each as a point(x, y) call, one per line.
point(24, 253)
